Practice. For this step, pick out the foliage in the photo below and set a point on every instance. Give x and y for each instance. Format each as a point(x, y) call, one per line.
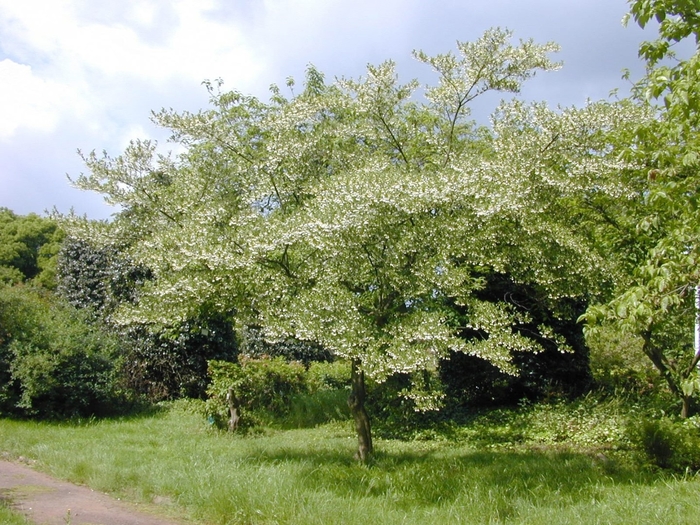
point(276, 390)
point(659, 233)
point(559, 368)
point(54, 364)
point(262, 387)
point(668, 443)
point(159, 362)
point(328, 375)
point(28, 248)
point(359, 216)
point(171, 362)
point(618, 365)
point(677, 19)
point(591, 422)
point(97, 278)
point(253, 344)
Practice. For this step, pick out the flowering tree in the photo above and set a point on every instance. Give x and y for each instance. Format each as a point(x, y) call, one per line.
point(355, 216)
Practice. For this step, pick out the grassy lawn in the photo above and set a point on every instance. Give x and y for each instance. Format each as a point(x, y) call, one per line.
point(499, 468)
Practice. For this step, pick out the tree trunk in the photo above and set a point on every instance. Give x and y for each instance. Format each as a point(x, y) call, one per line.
point(657, 358)
point(661, 364)
point(233, 409)
point(685, 410)
point(356, 402)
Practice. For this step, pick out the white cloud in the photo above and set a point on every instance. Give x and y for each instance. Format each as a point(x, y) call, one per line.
point(130, 133)
point(191, 45)
point(30, 102)
point(147, 45)
point(145, 13)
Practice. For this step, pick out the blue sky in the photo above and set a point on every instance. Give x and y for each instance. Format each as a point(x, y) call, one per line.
point(85, 74)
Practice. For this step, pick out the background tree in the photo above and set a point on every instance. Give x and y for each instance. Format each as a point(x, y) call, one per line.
point(28, 248)
point(471, 381)
point(655, 296)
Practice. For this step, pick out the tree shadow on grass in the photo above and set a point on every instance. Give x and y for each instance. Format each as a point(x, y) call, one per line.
point(132, 412)
point(444, 476)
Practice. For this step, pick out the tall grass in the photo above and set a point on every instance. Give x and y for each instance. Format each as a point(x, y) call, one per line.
point(308, 476)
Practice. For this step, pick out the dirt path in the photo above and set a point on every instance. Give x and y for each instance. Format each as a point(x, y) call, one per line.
point(47, 501)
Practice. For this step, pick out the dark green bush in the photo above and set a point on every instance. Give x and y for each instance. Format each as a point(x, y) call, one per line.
point(52, 362)
point(668, 443)
point(254, 345)
point(172, 363)
point(471, 381)
point(158, 363)
point(395, 416)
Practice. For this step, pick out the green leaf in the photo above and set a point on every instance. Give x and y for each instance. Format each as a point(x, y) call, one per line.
point(690, 159)
point(690, 386)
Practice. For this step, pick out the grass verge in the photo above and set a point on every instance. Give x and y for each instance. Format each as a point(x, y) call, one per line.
point(11, 517)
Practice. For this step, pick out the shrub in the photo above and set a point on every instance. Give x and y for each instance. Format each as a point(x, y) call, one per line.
point(472, 381)
point(263, 388)
point(54, 364)
point(28, 248)
point(328, 376)
point(172, 363)
point(254, 345)
point(159, 363)
point(392, 415)
point(668, 443)
point(618, 363)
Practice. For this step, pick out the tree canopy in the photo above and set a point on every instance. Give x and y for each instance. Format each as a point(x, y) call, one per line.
point(28, 246)
point(358, 214)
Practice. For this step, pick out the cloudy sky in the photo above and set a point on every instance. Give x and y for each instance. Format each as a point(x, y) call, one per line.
point(85, 74)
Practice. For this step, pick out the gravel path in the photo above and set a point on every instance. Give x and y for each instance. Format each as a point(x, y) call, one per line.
point(46, 501)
